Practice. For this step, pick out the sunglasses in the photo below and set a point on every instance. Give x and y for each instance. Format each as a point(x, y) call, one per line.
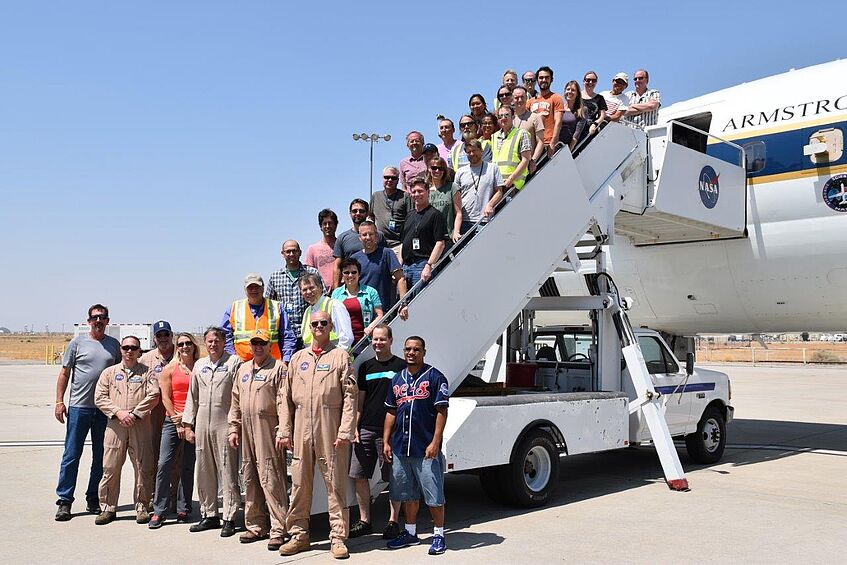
point(320, 323)
point(184, 344)
point(350, 273)
point(439, 168)
point(466, 124)
point(258, 343)
point(504, 94)
point(640, 78)
point(359, 211)
point(98, 318)
point(163, 335)
point(589, 80)
point(130, 347)
point(390, 177)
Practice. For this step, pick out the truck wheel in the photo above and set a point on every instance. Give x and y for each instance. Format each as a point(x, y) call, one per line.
point(533, 473)
point(706, 445)
point(491, 479)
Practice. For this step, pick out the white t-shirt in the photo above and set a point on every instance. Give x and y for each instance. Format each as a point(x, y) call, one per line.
point(477, 185)
point(614, 102)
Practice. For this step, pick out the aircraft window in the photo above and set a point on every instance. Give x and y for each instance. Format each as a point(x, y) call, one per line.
point(755, 154)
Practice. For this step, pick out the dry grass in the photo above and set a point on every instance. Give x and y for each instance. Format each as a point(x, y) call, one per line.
point(791, 352)
point(31, 347)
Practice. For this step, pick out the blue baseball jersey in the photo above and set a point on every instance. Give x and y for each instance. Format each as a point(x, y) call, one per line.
point(415, 399)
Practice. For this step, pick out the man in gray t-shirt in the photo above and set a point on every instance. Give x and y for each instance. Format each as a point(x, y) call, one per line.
point(481, 184)
point(85, 358)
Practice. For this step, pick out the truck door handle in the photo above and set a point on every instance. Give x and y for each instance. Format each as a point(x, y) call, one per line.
point(701, 395)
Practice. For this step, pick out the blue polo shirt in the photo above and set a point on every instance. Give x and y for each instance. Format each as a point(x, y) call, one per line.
point(414, 399)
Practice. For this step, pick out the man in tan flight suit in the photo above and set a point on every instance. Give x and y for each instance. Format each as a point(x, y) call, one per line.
point(126, 393)
point(253, 423)
point(318, 404)
point(206, 423)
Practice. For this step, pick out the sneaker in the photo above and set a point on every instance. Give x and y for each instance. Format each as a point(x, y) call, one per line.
point(183, 517)
point(339, 550)
point(63, 514)
point(405, 539)
point(438, 546)
point(156, 522)
point(92, 505)
point(295, 546)
point(392, 530)
point(142, 517)
point(104, 518)
point(360, 528)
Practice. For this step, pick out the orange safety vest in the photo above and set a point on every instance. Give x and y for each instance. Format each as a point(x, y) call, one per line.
point(244, 325)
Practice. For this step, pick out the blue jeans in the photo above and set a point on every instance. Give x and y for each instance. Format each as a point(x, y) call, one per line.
point(412, 475)
point(80, 421)
point(412, 272)
point(169, 452)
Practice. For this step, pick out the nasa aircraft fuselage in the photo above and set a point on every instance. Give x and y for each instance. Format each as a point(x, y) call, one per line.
point(790, 271)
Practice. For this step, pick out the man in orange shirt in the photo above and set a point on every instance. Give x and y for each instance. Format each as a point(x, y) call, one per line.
point(550, 106)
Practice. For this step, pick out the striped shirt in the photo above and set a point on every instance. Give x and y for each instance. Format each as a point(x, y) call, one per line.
point(650, 117)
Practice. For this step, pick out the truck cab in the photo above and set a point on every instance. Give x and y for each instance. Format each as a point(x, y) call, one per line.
point(696, 401)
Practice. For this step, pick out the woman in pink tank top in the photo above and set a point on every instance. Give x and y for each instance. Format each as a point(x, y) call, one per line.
point(175, 475)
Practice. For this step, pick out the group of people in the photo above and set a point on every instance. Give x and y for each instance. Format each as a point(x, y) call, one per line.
point(252, 398)
point(277, 376)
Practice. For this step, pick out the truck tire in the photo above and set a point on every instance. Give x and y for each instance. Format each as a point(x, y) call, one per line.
point(533, 473)
point(706, 445)
point(491, 479)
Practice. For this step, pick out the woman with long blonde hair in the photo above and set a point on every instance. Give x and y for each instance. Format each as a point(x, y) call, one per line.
point(173, 383)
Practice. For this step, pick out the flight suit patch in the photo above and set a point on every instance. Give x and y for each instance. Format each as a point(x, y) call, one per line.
point(206, 370)
point(323, 367)
point(245, 378)
point(304, 365)
point(134, 380)
point(119, 377)
point(258, 378)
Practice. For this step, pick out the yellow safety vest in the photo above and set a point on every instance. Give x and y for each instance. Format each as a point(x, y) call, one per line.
point(456, 154)
point(508, 156)
point(244, 325)
point(324, 304)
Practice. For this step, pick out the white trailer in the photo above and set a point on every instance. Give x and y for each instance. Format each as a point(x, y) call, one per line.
point(144, 332)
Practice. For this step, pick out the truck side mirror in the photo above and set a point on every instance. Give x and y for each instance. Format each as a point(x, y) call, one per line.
point(689, 363)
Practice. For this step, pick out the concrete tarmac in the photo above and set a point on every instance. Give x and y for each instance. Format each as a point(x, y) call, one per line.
point(778, 495)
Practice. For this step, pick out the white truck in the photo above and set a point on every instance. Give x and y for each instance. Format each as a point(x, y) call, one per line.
point(514, 440)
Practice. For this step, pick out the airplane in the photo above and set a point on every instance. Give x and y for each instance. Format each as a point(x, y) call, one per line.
point(787, 271)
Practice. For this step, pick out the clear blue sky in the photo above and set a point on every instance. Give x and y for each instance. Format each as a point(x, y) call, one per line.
point(153, 153)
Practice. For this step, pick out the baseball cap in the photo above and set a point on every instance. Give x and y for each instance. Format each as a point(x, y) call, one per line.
point(253, 278)
point(260, 335)
point(162, 326)
point(621, 76)
point(429, 147)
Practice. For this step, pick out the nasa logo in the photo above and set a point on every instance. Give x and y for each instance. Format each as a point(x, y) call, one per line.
point(158, 369)
point(304, 365)
point(244, 378)
point(119, 377)
point(708, 186)
point(835, 193)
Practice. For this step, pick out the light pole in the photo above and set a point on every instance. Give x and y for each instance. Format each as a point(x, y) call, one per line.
point(372, 138)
